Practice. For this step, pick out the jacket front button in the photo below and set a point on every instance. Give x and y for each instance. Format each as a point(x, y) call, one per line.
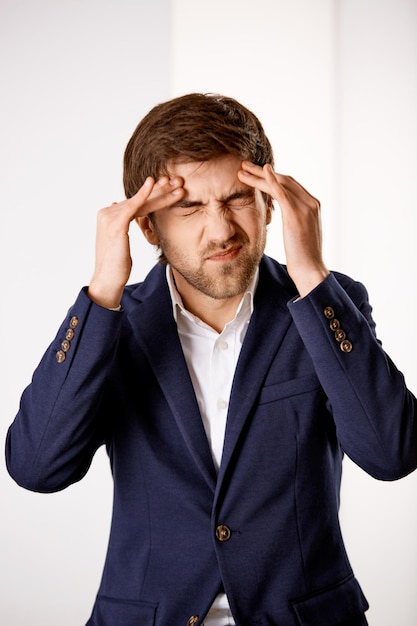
point(193, 620)
point(223, 533)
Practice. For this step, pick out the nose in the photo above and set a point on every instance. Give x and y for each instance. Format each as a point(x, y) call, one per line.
point(220, 226)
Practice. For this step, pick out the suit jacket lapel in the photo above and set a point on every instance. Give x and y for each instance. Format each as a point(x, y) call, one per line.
point(156, 330)
point(269, 324)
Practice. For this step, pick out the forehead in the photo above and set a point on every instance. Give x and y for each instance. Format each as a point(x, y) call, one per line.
point(214, 177)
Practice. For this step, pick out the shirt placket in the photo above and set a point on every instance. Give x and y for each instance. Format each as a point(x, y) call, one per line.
point(222, 370)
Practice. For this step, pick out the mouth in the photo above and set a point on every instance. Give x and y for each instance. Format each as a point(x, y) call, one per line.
point(224, 256)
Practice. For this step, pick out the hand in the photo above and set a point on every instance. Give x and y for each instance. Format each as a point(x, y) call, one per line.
point(301, 223)
point(113, 262)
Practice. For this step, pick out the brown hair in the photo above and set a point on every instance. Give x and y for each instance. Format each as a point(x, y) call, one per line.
point(194, 127)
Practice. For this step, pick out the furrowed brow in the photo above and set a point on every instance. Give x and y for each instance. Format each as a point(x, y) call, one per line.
point(238, 195)
point(186, 204)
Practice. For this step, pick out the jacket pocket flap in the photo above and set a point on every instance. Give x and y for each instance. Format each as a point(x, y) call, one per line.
point(109, 611)
point(333, 606)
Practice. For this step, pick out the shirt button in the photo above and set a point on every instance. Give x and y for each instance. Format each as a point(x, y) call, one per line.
point(221, 404)
point(223, 532)
point(223, 345)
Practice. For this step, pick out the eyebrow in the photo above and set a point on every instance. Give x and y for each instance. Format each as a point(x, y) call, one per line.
point(236, 195)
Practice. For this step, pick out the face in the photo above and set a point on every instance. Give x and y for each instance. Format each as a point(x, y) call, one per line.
point(215, 236)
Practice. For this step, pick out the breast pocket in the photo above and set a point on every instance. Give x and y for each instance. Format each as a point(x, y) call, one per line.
point(288, 388)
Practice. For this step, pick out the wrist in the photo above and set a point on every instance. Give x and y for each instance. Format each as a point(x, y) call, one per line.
point(105, 297)
point(309, 281)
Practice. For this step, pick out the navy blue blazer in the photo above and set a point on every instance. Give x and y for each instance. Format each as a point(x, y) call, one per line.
point(312, 383)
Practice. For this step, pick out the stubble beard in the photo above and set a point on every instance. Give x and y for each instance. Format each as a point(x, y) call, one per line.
point(222, 280)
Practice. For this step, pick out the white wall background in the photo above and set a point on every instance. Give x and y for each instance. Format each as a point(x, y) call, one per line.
point(335, 84)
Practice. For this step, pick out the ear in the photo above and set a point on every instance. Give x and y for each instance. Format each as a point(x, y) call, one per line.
point(148, 229)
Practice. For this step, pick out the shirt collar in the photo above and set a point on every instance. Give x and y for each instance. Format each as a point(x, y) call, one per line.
point(245, 306)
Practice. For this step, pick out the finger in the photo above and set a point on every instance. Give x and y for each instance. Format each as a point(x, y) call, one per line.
point(262, 178)
point(252, 168)
point(152, 189)
point(151, 196)
point(252, 174)
point(131, 205)
point(166, 192)
point(279, 186)
point(296, 189)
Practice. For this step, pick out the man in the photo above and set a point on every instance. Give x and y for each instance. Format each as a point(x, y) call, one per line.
point(226, 388)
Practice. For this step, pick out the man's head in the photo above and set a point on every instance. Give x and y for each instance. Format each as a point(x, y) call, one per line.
point(193, 128)
point(214, 237)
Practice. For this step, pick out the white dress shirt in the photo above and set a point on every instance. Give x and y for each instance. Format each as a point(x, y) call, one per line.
point(211, 359)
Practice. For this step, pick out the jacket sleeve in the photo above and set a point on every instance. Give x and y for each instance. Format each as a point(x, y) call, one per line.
point(374, 412)
point(59, 427)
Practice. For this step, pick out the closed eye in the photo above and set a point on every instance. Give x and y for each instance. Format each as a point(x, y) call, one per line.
point(239, 199)
point(240, 202)
point(187, 208)
point(235, 201)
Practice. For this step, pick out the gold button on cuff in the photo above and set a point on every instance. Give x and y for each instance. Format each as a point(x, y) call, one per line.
point(346, 346)
point(340, 335)
point(65, 345)
point(193, 620)
point(334, 324)
point(60, 356)
point(69, 335)
point(73, 321)
point(328, 313)
point(223, 533)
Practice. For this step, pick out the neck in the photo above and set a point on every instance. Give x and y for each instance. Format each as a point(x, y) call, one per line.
point(212, 311)
point(215, 313)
